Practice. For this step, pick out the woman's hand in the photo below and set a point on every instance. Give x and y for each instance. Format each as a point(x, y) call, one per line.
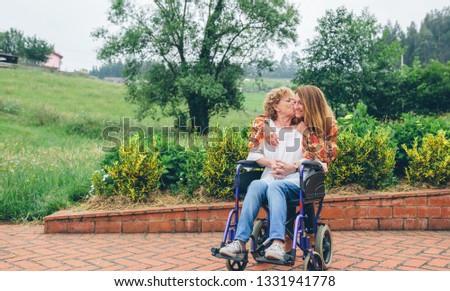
point(281, 169)
point(273, 139)
point(302, 128)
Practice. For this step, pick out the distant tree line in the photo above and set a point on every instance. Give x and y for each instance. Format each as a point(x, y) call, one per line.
point(111, 69)
point(285, 68)
point(30, 48)
point(429, 42)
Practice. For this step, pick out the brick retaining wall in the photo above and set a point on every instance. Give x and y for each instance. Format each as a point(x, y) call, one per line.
point(419, 210)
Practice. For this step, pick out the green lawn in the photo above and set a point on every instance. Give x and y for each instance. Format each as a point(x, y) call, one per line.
point(66, 94)
point(50, 124)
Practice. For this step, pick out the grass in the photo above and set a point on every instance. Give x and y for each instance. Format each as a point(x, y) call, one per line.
point(46, 161)
point(50, 128)
point(65, 94)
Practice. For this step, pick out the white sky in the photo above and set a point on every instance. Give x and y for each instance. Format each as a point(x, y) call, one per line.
point(68, 23)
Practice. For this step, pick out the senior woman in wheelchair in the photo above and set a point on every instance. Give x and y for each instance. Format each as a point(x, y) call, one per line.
point(280, 180)
point(315, 121)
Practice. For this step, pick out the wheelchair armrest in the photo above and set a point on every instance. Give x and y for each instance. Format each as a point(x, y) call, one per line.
point(249, 164)
point(312, 164)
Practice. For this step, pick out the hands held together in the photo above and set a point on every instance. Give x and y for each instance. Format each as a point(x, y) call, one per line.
point(281, 169)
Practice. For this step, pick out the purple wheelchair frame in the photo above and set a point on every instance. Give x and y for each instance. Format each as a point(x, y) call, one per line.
point(257, 251)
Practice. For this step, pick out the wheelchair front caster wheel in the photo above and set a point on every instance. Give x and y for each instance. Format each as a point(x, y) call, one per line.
point(233, 265)
point(324, 245)
point(260, 235)
point(310, 265)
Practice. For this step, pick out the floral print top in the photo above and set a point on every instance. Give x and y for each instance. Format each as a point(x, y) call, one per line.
point(314, 147)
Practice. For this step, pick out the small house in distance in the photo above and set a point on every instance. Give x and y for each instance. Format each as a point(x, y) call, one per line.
point(54, 61)
point(7, 60)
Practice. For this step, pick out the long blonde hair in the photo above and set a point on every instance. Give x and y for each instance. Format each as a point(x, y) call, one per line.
point(318, 116)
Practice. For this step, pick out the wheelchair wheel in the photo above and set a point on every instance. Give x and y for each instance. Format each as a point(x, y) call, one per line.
point(233, 265)
point(324, 245)
point(260, 234)
point(308, 264)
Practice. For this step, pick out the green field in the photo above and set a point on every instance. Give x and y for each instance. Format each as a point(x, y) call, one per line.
point(50, 128)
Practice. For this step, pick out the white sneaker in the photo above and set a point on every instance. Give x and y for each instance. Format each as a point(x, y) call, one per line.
point(232, 249)
point(275, 252)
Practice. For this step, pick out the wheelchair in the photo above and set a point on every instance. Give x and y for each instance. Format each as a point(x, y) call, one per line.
point(312, 190)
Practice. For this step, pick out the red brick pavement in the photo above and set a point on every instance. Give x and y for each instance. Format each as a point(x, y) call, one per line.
point(26, 247)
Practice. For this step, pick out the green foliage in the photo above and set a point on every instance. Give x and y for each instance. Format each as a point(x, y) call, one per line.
point(191, 171)
point(186, 57)
point(32, 48)
point(87, 125)
point(359, 122)
point(13, 108)
point(410, 127)
point(37, 50)
point(427, 88)
point(102, 184)
point(111, 69)
point(431, 40)
point(12, 42)
point(346, 56)
point(220, 163)
point(182, 167)
point(136, 174)
point(352, 60)
point(429, 163)
point(44, 115)
point(37, 179)
point(368, 160)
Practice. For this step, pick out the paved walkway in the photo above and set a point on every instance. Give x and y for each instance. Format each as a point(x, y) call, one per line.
point(26, 247)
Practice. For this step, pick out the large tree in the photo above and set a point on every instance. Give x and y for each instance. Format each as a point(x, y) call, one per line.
point(352, 60)
point(186, 56)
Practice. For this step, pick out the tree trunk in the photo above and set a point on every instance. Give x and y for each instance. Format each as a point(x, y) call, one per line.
point(198, 112)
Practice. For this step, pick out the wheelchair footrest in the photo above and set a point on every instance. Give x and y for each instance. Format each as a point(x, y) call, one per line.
point(238, 257)
point(288, 260)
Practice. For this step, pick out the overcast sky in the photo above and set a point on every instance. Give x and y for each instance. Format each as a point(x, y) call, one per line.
point(68, 23)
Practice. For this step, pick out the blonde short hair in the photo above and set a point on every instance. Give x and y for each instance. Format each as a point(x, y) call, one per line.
point(273, 98)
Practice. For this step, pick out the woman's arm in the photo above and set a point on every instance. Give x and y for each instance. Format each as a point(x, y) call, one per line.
point(318, 148)
point(257, 132)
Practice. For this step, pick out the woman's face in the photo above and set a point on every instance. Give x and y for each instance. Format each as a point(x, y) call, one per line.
point(285, 107)
point(298, 107)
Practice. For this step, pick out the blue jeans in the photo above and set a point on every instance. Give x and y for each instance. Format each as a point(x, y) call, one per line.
point(276, 196)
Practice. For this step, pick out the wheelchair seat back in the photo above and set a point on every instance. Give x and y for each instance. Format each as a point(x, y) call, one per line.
point(314, 187)
point(245, 179)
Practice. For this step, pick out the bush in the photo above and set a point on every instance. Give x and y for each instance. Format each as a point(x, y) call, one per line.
point(220, 163)
point(102, 183)
point(359, 122)
point(191, 174)
point(429, 163)
point(44, 115)
point(183, 167)
point(135, 175)
point(409, 128)
point(368, 161)
point(172, 157)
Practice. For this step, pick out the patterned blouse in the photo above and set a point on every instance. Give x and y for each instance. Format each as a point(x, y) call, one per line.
point(314, 147)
